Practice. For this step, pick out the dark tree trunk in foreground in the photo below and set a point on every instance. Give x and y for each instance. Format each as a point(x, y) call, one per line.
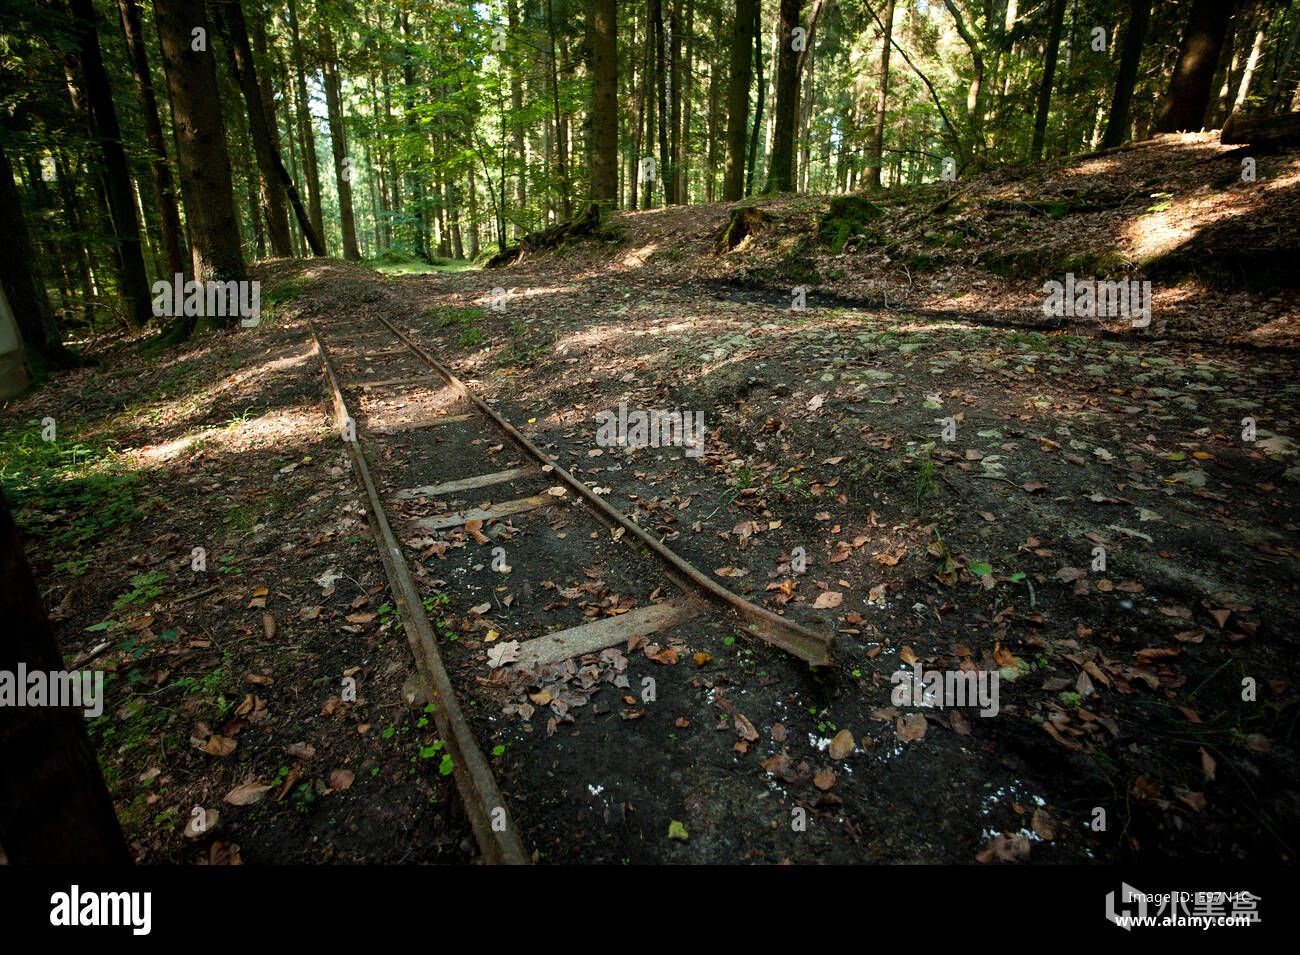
point(117, 177)
point(1129, 59)
point(742, 45)
point(54, 807)
point(164, 189)
point(604, 102)
point(780, 167)
point(206, 185)
point(1189, 89)
point(1057, 14)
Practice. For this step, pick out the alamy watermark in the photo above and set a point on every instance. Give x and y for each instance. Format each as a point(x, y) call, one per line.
point(651, 429)
point(79, 689)
point(216, 299)
point(76, 908)
point(945, 688)
point(1090, 298)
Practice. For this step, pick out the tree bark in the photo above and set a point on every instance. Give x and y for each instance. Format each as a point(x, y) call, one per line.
point(339, 148)
point(882, 102)
point(1252, 61)
point(164, 189)
point(54, 806)
point(517, 108)
point(19, 276)
point(207, 189)
point(306, 132)
point(1130, 57)
point(742, 47)
point(1057, 14)
point(757, 129)
point(561, 138)
point(229, 16)
point(681, 156)
point(663, 89)
point(977, 76)
point(604, 102)
point(1190, 87)
point(117, 175)
point(780, 168)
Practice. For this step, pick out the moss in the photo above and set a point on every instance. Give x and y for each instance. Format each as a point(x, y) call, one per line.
point(1106, 263)
point(846, 217)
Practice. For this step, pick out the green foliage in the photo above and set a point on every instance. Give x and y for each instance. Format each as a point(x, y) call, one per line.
point(847, 216)
point(67, 496)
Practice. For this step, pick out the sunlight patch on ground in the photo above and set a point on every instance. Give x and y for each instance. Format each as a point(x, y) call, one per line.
point(233, 437)
point(637, 257)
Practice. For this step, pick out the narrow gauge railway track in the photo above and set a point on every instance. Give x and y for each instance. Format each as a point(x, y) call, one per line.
point(448, 464)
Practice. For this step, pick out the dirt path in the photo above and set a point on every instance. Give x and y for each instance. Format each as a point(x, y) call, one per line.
point(1121, 688)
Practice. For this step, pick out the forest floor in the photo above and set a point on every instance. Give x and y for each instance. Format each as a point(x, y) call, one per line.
point(1098, 526)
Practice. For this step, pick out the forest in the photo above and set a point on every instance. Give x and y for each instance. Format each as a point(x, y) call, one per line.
point(673, 431)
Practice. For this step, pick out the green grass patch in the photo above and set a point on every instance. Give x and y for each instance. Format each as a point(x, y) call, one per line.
point(465, 320)
point(67, 495)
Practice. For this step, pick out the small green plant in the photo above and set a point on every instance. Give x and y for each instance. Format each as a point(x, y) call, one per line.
point(144, 590)
point(464, 319)
point(1164, 203)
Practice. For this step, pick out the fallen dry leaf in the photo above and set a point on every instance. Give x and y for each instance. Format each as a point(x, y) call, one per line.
point(247, 794)
point(828, 600)
point(911, 727)
point(745, 729)
point(842, 745)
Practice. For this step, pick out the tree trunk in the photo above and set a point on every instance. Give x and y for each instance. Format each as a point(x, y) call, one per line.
point(663, 89)
point(1279, 78)
point(164, 189)
point(1248, 73)
point(604, 102)
point(757, 129)
point(206, 185)
point(517, 108)
point(1189, 89)
point(19, 276)
point(977, 77)
point(561, 139)
point(306, 133)
point(1130, 57)
point(742, 46)
point(229, 16)
point(882, 101)
point(473, 215)
point(681, 156)
point(715, 98)
point(117, 175)
point(1057, 14)
point(780, 169)
point(54, 806)
point(339, 148)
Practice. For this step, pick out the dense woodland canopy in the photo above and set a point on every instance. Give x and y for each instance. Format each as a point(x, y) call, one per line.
point(140, 140)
